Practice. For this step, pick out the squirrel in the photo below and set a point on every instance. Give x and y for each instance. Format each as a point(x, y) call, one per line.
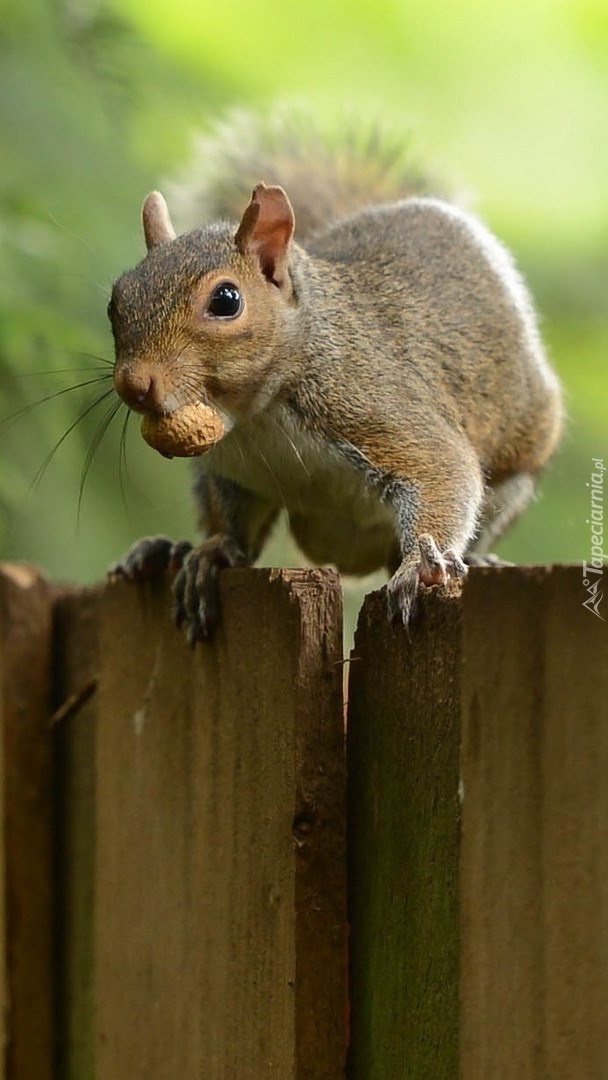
point(374, 355)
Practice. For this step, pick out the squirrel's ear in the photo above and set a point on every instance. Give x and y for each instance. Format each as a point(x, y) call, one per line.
point(266, 231)
point(158, 228)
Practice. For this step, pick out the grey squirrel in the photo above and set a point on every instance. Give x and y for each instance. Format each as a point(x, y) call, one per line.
point(374, 356)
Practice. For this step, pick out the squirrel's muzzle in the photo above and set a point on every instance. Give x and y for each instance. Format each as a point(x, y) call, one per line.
point(139, 389)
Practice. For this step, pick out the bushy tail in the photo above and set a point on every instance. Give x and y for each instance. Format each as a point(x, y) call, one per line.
point(330, 169)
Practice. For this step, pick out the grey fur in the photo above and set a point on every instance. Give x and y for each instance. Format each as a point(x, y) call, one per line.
point(396, 400)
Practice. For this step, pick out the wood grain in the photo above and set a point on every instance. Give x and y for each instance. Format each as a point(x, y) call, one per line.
point(534, 869)
point(26, 815)
point(76, 664)
point(219, 878)
point(174, 841)
point(478, 826)
point(403, 823)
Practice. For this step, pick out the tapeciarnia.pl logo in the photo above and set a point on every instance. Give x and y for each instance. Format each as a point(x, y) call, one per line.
point(593, 571)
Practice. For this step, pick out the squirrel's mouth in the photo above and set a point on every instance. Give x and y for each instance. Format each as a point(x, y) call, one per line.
point(188, 431)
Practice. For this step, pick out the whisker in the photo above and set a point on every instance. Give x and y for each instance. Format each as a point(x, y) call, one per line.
point(51, 454)
point(91, 356)
point(291, 443)
point(71, 233)
point(267, 464)
point(123, 472)
point(358, 451)
point(51, 397)
point(10, 375)
point(190, 387)
point(235, 436)
point(92, 450)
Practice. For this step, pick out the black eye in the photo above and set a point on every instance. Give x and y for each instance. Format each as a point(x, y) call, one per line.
point(226, 301)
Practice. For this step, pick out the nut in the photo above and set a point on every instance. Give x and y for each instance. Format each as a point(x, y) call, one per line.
point(187, 432)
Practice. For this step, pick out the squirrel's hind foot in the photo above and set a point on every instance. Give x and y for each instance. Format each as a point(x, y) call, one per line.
point(196, 604)
point(432, 568)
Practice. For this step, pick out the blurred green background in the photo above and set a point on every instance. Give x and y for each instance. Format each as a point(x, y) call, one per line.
point(99, 101)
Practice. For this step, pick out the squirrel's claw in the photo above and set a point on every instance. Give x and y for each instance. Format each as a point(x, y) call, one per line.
point(196, 596)
point(431, 568)
point(150, 557)
point(196, 604)
point(401, 592)
point(435, 567)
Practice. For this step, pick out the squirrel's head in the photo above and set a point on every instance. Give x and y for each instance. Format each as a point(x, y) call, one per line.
point(201, 317)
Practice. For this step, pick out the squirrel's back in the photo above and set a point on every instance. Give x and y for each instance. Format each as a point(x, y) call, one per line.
point(461, 321)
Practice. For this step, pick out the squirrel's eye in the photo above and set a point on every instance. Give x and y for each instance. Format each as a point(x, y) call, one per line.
point(226, 301)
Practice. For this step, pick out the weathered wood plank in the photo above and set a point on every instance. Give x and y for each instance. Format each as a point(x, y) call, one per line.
point(76, 664)
point(503, 698)
point(219, 879)
point(534, 871)
point(403, 823)
point(26, 789)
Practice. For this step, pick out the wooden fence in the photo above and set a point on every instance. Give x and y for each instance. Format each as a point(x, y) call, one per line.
point(173, 855)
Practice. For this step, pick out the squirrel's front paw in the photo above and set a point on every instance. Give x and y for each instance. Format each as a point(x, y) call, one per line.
point(196, 589)
point(431, 568)
point(150, 557)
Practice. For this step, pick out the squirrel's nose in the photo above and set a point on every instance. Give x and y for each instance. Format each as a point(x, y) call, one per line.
point(138, 388)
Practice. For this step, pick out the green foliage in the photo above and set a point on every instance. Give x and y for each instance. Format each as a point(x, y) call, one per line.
point(99, 102)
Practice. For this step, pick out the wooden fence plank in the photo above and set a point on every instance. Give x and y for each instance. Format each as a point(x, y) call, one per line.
point(219, 879)
point(25, 825)
point(534, 872)
point(76, 664)
point(403, 821)
point(480, 932)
